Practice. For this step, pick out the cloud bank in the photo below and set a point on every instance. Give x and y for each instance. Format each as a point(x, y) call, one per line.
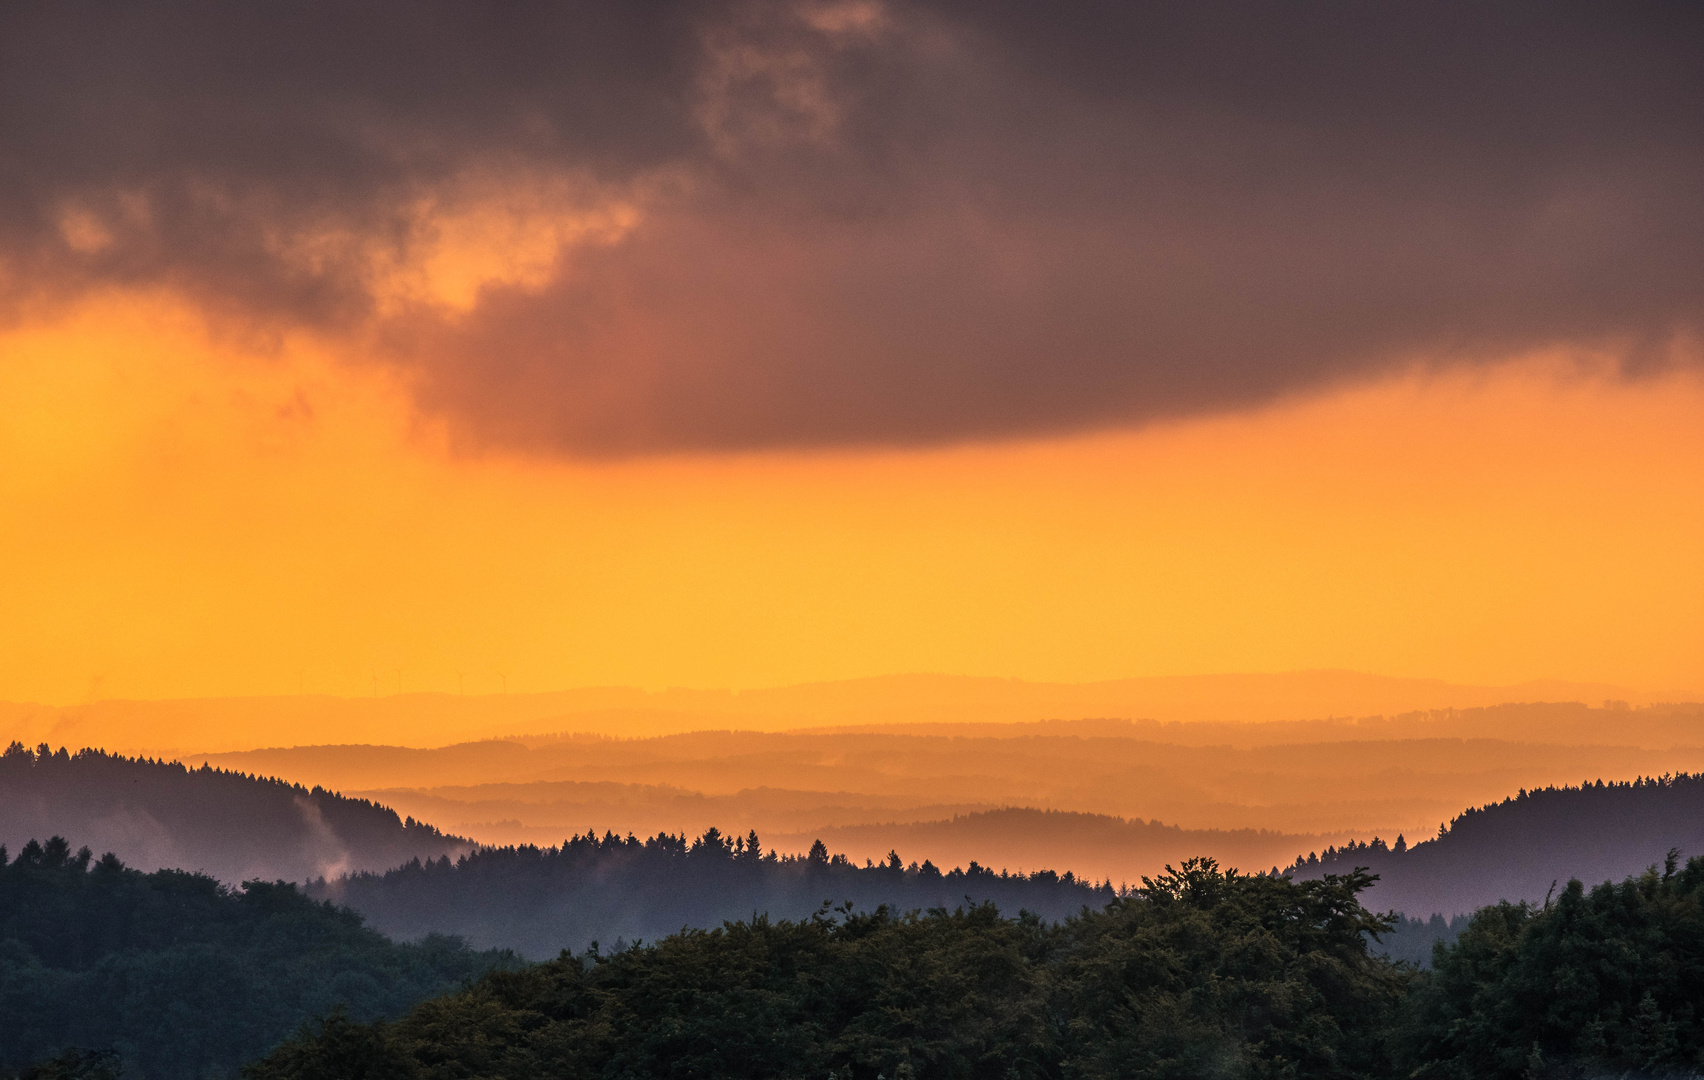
point(599, 229)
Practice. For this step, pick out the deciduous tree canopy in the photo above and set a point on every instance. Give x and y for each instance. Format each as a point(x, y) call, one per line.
point(1200, 972)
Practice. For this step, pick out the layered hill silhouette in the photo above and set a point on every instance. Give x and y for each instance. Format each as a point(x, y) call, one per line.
point(1284, 787)
point(238, 826)
point(870, 789)
point(535, 899)
point(233, 826)
point(177, 727)
point(1523, 847)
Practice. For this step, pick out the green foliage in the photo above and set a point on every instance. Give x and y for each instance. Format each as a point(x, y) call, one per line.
point(1602, 981)
point(181, 976)
point(1201, 973)
point(1208, 974)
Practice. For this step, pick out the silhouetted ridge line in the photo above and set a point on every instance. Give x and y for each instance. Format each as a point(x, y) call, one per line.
point(540, 900)
point(44, 756)
point(234, 825)
point(1516, 849)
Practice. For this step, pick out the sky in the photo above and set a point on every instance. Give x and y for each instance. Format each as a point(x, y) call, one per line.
point(382, 348)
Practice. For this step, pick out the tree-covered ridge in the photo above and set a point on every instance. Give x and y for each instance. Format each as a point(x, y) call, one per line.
point(1198, 973)
point(538, 901)
point(232, 825)
point(1519, 848)
point(182, 976)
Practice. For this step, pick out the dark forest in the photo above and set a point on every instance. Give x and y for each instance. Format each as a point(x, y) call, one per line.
point(1199, 973)
point(182, 976)
point(172, 976)
point(616, 890)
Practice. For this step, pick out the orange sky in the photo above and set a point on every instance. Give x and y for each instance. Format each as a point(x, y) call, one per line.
point(185, 516)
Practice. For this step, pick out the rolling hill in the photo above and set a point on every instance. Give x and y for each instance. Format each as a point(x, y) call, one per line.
point(870, 789)
point(1525, 846)
point(231, 825)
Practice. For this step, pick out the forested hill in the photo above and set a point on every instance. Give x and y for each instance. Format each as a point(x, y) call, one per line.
point(1204, 974)
point(1516, 849)
point(539, 901)
point(185, 978)
point(231, 825)
point(1198, 974)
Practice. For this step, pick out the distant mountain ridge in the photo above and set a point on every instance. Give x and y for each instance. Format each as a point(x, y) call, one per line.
point(1559, 723)
point(875, 788)
point(231, 825)
point(1520, 848)
point(434, 719)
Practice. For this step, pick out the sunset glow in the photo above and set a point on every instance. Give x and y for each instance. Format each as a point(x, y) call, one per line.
point(1078, 436)
point(927, 539)
point(191, 514)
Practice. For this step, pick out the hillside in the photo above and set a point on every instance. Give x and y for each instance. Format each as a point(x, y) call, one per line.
point(1520, 847)
point(183, 977)
point(539, 901)
point(231, 825)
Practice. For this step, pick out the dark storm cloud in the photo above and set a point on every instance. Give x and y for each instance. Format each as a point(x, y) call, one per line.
point(865, 222)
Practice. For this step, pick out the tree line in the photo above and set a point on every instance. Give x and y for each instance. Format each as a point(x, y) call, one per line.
point(615, 890)
point(1200, 973)
point(180, 977)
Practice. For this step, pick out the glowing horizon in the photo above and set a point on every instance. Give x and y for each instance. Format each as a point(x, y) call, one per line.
point(201, 516)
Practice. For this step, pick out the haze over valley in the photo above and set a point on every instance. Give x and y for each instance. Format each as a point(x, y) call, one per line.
point(1108, 799)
